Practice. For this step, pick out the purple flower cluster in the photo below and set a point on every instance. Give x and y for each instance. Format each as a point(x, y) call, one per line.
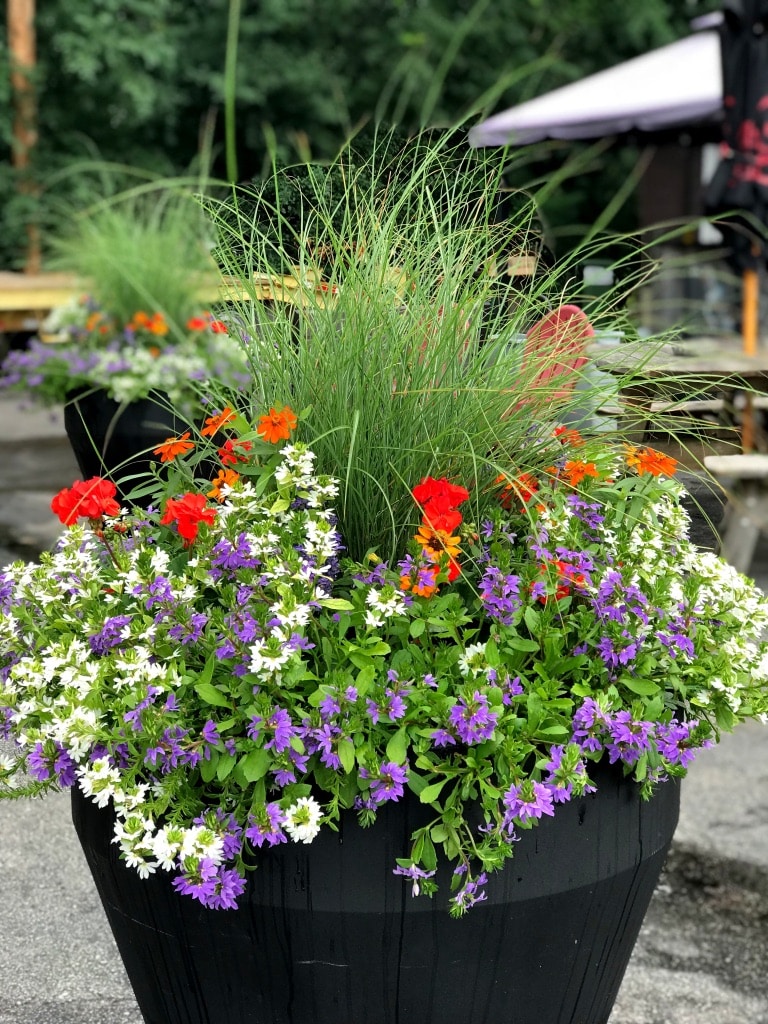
point(387, 783)
point(472, 719)
point(216, 887)
point(500, 595)
point(171, 752)
point(112, 634)
point(627, 739)
point(44, 763)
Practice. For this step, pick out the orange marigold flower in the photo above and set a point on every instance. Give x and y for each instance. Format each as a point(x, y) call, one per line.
point(197, 323)
point(575, 470)
point(218, 327)
point(214, 423)
point(276, 426)
point(173, 446)
point(139, 319)
point(224, 478)
point(648, 460)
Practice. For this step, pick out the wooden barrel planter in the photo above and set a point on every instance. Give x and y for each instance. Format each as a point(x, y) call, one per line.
point(326, 934)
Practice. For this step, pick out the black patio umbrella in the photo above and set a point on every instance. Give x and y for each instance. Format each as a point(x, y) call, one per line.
point(741, 180)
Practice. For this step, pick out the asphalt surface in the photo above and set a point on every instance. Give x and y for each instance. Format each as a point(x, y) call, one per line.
point(702, 955)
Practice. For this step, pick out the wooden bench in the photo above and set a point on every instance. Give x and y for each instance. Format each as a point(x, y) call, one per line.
point(745, 479)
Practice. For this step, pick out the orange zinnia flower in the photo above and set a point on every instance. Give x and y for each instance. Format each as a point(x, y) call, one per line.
point(224, 478)
point(648, 460)
point(214, 423)
point(174, 446)
point(575, 470)
point(523, 486)
point(157, 324)
point(277, 426)
point(569, 435)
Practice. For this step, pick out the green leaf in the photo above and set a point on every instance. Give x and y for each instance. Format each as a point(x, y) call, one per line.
point(430, 793)
point(336, 604)
point(642, 687)
point(346, 752)
point(211, 695)
point(208, 766)
point(519, 643)
point(225, 766)
point(255, 764)
point(417, 627)
point(438, 834)
point(397, 748)
point(428, 854)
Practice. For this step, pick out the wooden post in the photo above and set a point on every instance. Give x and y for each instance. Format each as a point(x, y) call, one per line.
point(21, 45)
point(750, 315)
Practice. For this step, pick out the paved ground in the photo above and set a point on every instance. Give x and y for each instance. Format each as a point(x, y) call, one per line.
point(701, 957)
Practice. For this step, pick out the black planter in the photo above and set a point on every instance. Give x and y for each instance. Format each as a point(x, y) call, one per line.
point(117, 441)
point(328, 935)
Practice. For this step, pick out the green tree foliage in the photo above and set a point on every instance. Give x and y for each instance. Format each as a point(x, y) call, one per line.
point(142, 84)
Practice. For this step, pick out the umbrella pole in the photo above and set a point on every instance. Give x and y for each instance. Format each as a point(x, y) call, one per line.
point(749, 327)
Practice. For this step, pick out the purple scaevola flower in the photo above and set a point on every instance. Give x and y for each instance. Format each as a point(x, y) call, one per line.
point(472, 719)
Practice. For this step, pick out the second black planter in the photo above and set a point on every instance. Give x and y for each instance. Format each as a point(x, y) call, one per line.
point(117, 441)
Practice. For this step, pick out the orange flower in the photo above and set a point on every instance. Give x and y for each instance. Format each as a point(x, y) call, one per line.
point(523, 486)
point(173, 446)
point(157, 325)
point(197, 323)
point(214, 423)
point(569, 435)
point(435, 543)
point(224, 478)
point(218, 327)
point(575, 470)
point(648, 460)
point(424, 583)
point(139, 319)
point(277, 426)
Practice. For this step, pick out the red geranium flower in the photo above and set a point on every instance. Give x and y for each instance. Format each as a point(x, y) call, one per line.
point(229, 454)
point(90, 499)
point(430, 489)
point(188, 512)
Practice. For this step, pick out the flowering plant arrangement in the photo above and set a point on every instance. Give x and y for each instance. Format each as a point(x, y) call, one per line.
point(85, 347)
point(224, 674)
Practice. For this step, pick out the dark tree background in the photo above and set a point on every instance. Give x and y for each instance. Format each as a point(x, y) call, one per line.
point(143, 84)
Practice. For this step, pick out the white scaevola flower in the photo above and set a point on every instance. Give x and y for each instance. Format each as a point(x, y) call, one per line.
point(302, 819)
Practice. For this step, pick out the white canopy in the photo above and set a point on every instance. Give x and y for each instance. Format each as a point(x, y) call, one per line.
point(674, 86)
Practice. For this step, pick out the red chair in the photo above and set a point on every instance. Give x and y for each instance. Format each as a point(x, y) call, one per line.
point(554, 351)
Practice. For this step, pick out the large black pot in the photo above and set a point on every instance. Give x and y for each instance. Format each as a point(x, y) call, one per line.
point(117, 441)
point(328, 935)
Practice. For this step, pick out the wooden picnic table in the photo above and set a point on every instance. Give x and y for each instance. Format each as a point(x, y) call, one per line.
point(649, 372)
point(26, 299)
